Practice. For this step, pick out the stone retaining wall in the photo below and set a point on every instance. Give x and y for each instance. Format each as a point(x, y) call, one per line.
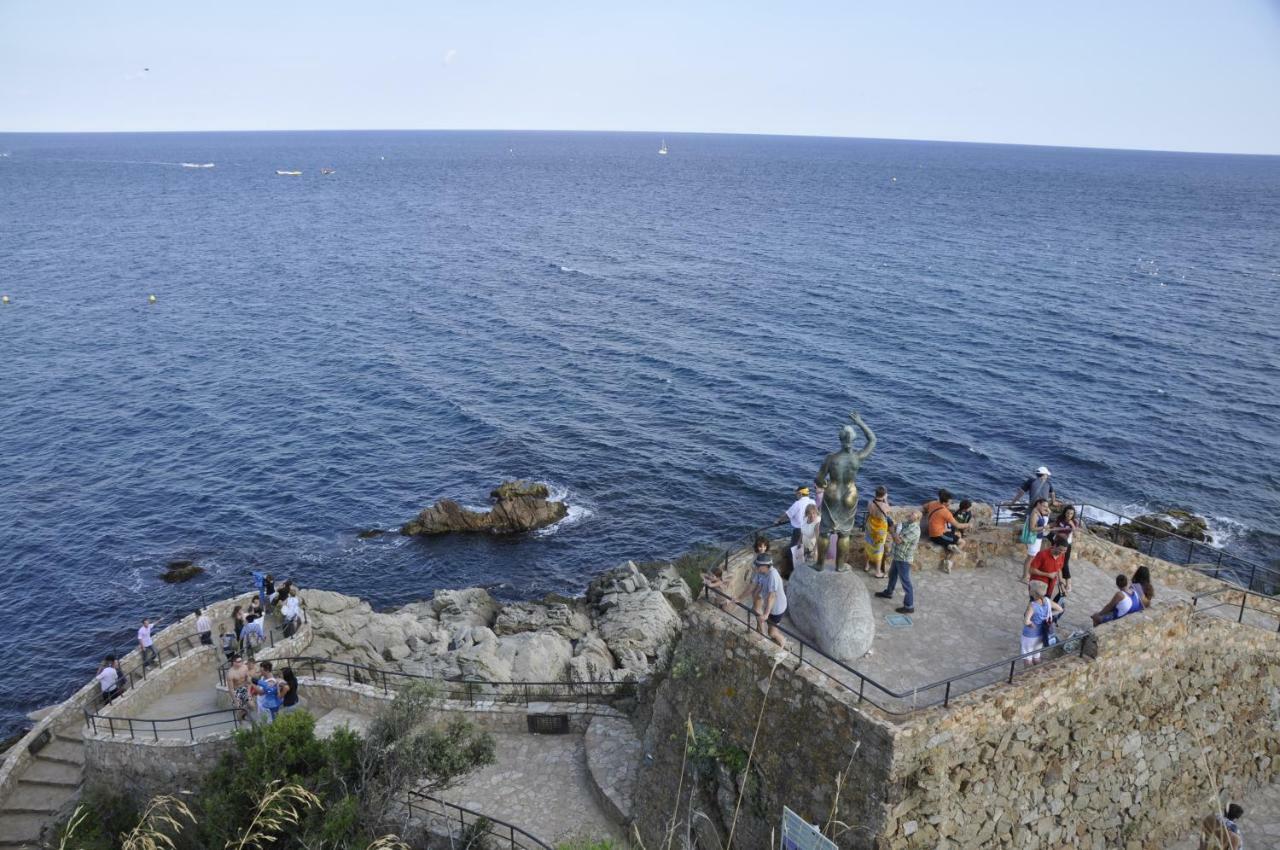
point(1114, 752)
point(140, 770)
point(809, 734)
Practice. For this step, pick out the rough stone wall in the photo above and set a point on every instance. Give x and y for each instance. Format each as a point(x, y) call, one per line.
point(809, 733)
point(1098, 754)
point(141, 771)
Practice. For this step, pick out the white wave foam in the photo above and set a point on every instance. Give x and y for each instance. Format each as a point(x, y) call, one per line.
point(1221, 529)
point(577, 512)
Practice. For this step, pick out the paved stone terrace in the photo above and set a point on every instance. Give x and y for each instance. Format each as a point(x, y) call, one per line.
point(541, 784)
point(964, 620)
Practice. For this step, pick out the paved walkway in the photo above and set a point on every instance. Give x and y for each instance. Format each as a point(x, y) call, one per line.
point(1260, 824)
point(539, 783)
point(194, 694)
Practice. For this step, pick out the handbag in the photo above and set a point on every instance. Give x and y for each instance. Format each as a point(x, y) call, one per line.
point(1049, 632)
point(1027, 536)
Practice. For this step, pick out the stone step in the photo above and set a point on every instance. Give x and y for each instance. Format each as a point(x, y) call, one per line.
point(20, 830)
point(613, 760)
point(62, 751)
point(28, 797)
point(57, 772)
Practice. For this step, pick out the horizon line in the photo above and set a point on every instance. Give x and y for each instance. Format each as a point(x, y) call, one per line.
point(635, 132)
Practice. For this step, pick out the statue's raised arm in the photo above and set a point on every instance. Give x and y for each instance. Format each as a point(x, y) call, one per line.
point(867, 432)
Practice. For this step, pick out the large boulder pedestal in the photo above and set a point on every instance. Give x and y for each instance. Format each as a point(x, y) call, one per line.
point(833, 610)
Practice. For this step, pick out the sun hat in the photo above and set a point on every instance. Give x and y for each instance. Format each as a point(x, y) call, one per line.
point(803, 491)
point(764, 560)
point(1044, 470)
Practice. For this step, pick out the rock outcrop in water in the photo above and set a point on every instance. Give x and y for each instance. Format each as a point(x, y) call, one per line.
point(517, 506)
point(623, 630)
point(176, 572)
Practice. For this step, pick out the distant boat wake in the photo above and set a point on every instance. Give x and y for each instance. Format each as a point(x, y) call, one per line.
point(197, 165)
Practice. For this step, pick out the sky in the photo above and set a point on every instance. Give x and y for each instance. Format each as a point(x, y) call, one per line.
point(1148, 74)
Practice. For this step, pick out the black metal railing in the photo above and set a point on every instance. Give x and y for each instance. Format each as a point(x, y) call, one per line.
point(1224, 604)
point(498, 834)
point(470, 691)
point(885, 698)
point(190, 726)
point(1158, 542)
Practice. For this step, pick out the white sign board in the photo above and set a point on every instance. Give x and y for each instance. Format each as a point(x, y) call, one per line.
point(798, 834)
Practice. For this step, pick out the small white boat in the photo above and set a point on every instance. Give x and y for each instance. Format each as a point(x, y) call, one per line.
point(326, 171)
point(288, 173)
point(663, 150)
point(197, 165)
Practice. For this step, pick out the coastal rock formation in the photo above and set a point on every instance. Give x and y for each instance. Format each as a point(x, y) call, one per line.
point(624, 629)
point(517, 506)
point(176, 572)
point(833, 609)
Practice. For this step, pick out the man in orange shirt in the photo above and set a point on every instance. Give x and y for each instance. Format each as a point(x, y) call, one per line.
point(941, 526)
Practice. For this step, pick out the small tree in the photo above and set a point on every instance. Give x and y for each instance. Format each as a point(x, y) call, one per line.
point(403, 749)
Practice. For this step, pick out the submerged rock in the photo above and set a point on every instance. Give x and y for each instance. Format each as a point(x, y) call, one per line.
point(370, 533)
point(832, 609)
point(176, 572)
point(518, 506)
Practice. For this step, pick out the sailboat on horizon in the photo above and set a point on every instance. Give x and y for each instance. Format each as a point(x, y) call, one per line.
point(662, 151)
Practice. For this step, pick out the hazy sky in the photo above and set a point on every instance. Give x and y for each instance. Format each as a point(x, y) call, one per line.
point(1156, 74)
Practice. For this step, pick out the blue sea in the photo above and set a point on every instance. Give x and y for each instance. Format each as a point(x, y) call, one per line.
point(672, 342)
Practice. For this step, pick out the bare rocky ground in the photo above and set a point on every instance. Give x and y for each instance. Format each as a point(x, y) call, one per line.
point(622, 630)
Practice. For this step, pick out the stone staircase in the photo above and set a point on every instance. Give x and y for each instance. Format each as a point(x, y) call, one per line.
point(46, 788)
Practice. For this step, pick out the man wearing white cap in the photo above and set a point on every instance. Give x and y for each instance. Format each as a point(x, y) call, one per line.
point(1037, 488)
point(795, 514)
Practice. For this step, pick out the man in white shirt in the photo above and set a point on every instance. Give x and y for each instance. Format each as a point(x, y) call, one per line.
point(291, 610)
point(204, 628)
point(770, 597)
point(252, 635)
point(795, 514)
point(144, 642)
point(109, 679)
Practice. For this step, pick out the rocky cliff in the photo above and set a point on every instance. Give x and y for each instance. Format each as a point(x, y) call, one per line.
point(622, 630)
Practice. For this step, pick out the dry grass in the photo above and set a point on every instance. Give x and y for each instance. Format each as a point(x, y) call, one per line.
point(161, 821)
point(282, 806)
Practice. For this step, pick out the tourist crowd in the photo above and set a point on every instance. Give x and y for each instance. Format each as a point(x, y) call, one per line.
point(253, 686)
point(1046, 533)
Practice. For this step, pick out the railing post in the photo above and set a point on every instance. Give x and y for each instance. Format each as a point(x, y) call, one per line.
point(1013, 665)
point(155, 731)
point(1217, 569)
point(190, 729)
point(1243, 598)
point(111, 725)
point(946, 697)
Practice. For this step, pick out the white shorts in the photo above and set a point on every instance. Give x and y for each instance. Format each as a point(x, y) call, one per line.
point(1031, 644)
point(1033, 548)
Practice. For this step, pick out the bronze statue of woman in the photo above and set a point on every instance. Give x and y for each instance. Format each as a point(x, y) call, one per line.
point(838, 481)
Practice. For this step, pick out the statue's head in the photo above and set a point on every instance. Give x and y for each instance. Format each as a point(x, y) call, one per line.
point(846, 436)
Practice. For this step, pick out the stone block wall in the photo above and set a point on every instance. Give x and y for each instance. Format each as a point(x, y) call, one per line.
point(808, 735)
point(142, 770)
point(1115, 752)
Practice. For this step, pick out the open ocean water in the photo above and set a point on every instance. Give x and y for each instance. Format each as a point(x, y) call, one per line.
point(673, 342)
